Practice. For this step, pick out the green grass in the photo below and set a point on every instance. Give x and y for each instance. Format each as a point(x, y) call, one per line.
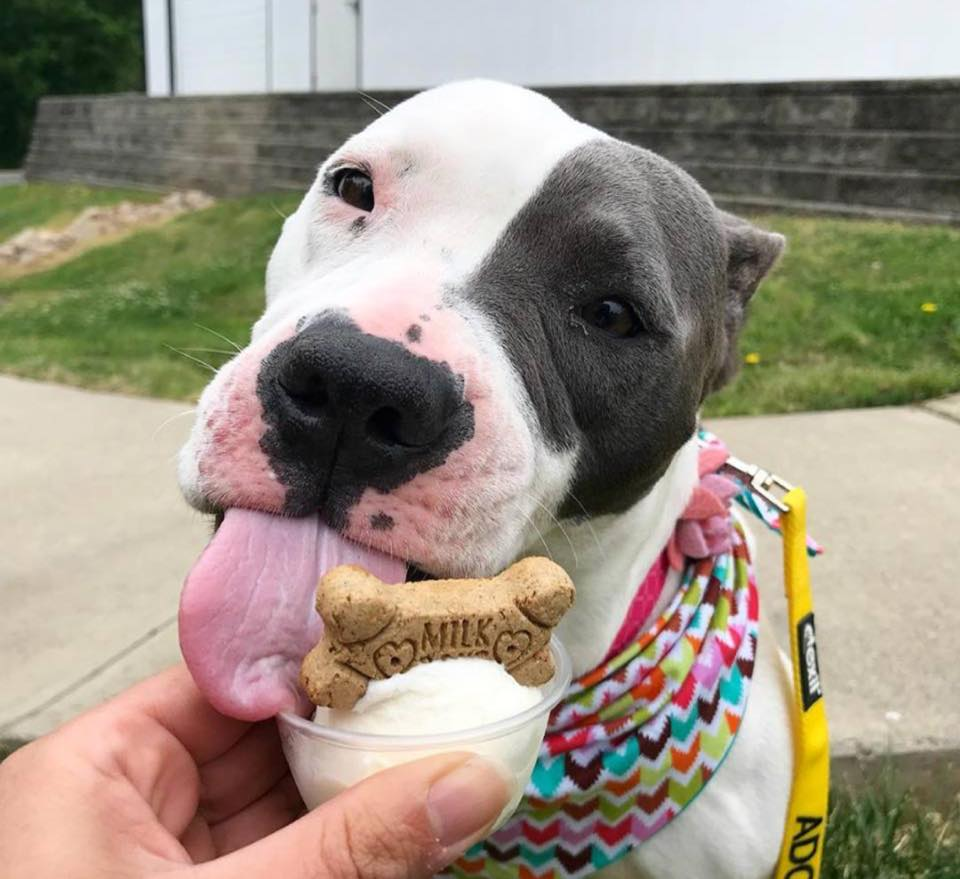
point(104, 319)
point(55, 204)
point(883, 832)
point(839, 323)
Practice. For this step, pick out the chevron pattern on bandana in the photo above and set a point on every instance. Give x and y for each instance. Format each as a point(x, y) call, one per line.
point(636, 739)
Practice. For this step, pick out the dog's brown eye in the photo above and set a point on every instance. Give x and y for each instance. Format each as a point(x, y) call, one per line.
point(614, 316)
point(355, 188)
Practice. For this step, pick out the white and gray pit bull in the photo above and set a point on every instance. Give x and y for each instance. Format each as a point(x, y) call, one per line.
point(488, 331)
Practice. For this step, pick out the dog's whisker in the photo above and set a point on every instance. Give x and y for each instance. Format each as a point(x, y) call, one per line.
point(196, 360)
point(370, 104)
point(563, 531)
point(219, 336)
point(586, 519)
point(278, 211)
point(210, 351)
point(386, 107)
point(171, 419)
point(532, 524)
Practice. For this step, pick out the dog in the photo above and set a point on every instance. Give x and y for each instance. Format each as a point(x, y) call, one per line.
point(489, 330)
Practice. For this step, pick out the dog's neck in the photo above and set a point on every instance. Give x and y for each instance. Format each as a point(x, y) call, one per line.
point(609, 556)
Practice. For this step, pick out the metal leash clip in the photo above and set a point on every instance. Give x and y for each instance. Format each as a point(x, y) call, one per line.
point(762, 482)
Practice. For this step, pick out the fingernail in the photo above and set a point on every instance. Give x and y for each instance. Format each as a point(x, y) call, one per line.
point(465, 802)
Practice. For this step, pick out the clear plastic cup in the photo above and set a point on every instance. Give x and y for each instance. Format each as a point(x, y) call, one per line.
point(325, 761)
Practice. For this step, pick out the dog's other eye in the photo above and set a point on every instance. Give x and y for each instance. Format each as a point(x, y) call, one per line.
point(355, 188)
point(614, 316)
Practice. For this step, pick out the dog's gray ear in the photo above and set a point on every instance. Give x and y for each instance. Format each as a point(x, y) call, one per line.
point(751, 253)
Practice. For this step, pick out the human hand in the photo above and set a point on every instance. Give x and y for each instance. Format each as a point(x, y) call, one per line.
point(157, 782)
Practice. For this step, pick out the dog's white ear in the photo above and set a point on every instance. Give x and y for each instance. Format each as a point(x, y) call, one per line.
point(751, 253)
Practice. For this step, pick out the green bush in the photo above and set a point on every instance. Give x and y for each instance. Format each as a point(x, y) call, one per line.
point(62, 47)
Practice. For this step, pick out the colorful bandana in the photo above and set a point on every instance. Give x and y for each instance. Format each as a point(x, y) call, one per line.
point(635, 740)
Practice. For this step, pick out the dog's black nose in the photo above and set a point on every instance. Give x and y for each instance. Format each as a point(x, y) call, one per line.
point(338, 381)
point(347, 410)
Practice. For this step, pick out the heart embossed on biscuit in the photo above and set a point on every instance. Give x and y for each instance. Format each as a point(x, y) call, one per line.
point(392, 658)
point(510, 646)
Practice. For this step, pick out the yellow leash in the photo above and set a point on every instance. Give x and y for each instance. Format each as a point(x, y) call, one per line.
point(802, 847)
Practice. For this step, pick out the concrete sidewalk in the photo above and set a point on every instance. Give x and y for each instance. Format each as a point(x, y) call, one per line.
point(95, 541)
point(884, 499)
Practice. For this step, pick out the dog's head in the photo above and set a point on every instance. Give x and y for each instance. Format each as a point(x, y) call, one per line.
point(483, 316)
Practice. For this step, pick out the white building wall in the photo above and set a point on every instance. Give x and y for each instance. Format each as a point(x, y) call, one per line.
point(156, 47)
point(220, 46)
point(417, 43)
point(289, 46)
point(337, 36)
point(238, 46)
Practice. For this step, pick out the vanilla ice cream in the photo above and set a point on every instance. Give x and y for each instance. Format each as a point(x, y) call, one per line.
point(435, 697)
point(432, 699)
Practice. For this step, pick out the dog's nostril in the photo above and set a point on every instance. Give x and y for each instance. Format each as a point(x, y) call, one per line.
point(386, 426)
point(308, 395)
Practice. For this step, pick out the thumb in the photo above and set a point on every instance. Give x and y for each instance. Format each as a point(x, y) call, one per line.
point(409, 821)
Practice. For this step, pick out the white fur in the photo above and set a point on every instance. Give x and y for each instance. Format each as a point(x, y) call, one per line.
point(734, 827)
point(608, 557)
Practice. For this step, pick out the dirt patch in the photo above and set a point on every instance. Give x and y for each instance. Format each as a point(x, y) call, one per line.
point(39, 248)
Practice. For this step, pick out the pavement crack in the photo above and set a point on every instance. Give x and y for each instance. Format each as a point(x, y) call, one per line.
point(88, 676)
point(933, 410)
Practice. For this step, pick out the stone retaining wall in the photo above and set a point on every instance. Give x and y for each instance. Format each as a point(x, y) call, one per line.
point(880, 148)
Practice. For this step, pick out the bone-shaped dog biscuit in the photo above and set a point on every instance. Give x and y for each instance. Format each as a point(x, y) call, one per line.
point(373, 630)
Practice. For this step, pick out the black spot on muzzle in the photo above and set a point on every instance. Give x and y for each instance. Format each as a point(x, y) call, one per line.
point(346, 411)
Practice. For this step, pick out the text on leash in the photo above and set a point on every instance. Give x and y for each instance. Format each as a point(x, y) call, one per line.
point(810, 685)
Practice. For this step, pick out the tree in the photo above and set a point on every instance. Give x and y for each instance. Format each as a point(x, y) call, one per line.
point(62, 47)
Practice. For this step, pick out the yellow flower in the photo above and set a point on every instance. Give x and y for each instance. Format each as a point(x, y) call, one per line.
point(752, 358)
point(928, 307)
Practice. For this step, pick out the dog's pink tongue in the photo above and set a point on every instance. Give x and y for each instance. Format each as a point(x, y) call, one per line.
point(247, 613)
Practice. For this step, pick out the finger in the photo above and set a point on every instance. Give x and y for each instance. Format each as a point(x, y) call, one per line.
point(243, 774)
point(173, 700)
point(409, 821)
point(197, 839)
point(120, 741)
point(274, 810)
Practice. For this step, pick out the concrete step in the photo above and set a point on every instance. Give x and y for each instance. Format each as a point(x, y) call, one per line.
point(149, 133)
point(759, 204)
point(218, 150)
point(903, 190)
point(892, 146)
point(128, 108)
point(222, 176)
point(935, 152)
point(839, 106)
